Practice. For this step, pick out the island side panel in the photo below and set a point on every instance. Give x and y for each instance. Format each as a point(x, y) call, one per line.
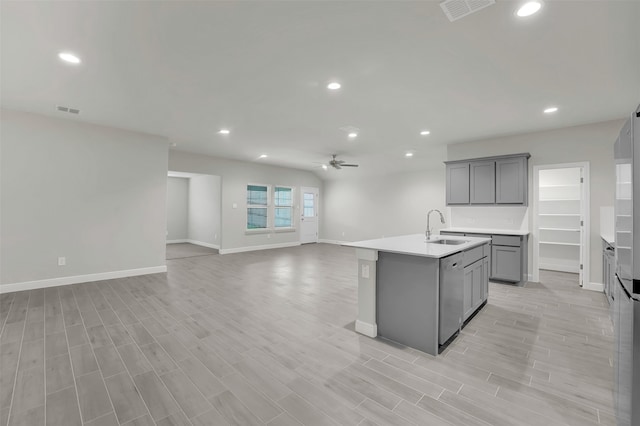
point(366, 322)
point(407, 300)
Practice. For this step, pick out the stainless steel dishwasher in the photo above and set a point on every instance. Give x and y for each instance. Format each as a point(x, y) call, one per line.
point(451, 296)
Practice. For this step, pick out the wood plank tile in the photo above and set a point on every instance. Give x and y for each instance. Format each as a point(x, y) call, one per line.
point(29, 390)
point(155, 395)
point(134, 360)
point(185, 393)
point(125, 397)
point(233, 410)
point(159, 359)
point(62, 408)
point(106, 420)
point(380, 415)
point(56, 344)
point(82, 360)
point(203, 379)
point(175, 419)
point(306, 413)
point(32, 417)
point(259, 405)
point(58, 373)
point(76, 336)
point(93, 397)
point(109, 361)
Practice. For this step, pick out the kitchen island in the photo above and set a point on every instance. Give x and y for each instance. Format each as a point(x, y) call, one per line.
point(418, 292)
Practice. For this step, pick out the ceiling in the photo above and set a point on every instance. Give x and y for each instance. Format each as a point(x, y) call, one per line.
point(185, 69)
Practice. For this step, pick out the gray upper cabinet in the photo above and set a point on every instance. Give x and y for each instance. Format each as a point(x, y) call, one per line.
point(511, 181)
point(482, 188)
point(458, 183)
point(489, 180)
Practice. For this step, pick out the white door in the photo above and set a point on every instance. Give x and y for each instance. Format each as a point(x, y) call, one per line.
point(309, 215)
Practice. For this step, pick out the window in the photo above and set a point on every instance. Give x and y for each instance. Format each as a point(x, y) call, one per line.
point(257, 206)
point(308, 208)
point(283, 207)
point(269, 208)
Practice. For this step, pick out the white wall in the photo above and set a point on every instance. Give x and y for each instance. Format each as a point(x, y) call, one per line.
point(93, 194)
point(592, 143)
point(388, 205)
point(177, 208)
point(204, 209)
point(235, 175)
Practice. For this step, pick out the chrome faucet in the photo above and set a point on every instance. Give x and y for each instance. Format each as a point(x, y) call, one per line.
point(428, 232)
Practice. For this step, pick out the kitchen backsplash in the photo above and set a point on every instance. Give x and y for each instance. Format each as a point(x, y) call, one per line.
point(503, 217)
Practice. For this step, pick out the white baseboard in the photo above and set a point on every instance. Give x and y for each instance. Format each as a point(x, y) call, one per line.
point(194, 242)
point(76, 279)
point(254, 248)
point(370, 330)
point(337, 242)
point(594, 287)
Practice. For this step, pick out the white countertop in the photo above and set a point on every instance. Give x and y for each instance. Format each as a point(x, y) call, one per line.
point(416, 245)
point(609, 238)
point(492, 231)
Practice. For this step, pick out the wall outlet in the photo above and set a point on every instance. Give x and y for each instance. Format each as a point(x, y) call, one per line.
point(215, 236)
point(234, 205)
point(343, 234)
point(365, 271)
point(62, 261)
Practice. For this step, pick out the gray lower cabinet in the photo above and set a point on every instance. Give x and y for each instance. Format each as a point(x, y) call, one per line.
point(509, 256)
point(473, 285)
point(608, 270)
point(505, 263)
point(458, 183)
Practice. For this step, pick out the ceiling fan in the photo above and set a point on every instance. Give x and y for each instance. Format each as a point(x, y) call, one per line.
point(338, 164)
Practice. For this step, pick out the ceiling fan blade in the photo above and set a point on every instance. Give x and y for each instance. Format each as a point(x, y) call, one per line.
point(349, 165)
point(336, 166)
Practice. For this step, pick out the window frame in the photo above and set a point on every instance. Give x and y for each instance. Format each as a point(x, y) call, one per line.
point(292, 207)
point(267, 227)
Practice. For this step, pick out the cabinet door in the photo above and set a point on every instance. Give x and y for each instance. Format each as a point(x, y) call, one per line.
point(505, 263)
point(458, 183)
point(467, 299)
point(485, 279)
point(511, 181)
point(478, 284)
point(483, 182)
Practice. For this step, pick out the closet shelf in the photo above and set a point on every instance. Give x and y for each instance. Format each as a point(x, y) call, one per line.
point(560, 199)
point(560, 229)
point(559, 214)
point(560, 244)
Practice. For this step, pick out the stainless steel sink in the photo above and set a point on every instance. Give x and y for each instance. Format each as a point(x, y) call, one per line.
point(448, 242)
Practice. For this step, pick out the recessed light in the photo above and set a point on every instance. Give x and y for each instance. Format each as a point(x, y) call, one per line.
point(352, 135)
point(550, 110)
point(263, 156)
point(424, 132)
point(324, 167)
point(409, 154)
point(69, 57)
point(224, 131)
point(528, 9)
point(334, 85)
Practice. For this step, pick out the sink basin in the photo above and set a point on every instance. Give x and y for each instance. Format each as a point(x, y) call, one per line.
point(447, 242)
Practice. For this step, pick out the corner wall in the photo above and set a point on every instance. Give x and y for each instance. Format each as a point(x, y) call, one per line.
point(204, 210)
point(235, 175)
point(177, 208)
point(95, 195)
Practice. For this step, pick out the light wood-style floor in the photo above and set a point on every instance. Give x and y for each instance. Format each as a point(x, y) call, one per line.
point(267, 338)
point(182, 250)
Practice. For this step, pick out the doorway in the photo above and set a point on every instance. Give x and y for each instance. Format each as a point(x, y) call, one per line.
point(561, 220)
point(309, 215)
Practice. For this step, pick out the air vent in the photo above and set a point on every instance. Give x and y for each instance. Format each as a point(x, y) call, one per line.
point(67, 109)
point(456, 9)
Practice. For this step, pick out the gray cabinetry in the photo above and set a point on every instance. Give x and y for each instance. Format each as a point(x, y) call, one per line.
point(475, 280)
point(511, 181)
point(458, 183)
point(509, 256)
point(482, 189)
point(608, 269)
point(505, 263)
point(488, 181)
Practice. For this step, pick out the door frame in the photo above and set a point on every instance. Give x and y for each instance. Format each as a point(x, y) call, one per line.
point(585, 206)
point(316, 191)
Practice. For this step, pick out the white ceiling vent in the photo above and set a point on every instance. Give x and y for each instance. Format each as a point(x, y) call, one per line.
point(456, 9)
point(67, 109)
